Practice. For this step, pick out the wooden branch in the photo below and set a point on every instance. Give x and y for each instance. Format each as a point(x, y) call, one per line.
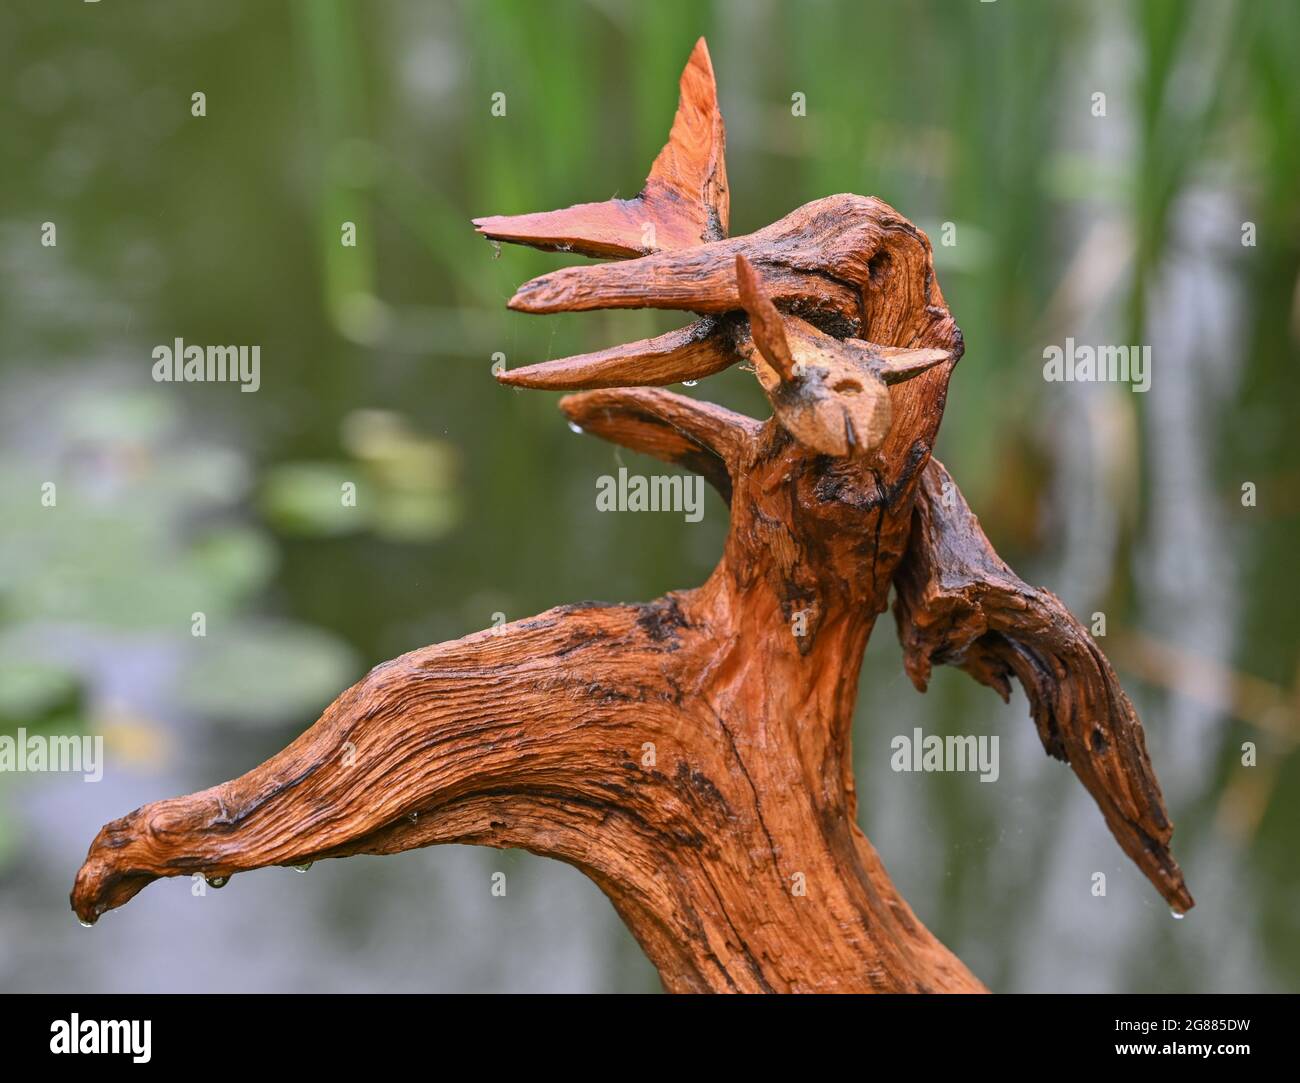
point(850, 264)
point(697, 436)
point(542, 711)
point(795, 257)
point(683, 203)
point(692, 754)
point(701, 349)
point(958, 603)
point(765, 324)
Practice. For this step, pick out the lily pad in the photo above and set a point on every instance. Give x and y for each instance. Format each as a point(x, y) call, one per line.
point(265, 672)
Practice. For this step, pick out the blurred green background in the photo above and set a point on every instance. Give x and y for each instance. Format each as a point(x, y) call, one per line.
point(1123, 228)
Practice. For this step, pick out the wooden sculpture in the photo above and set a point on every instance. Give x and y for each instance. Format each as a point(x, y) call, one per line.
point(691, 755)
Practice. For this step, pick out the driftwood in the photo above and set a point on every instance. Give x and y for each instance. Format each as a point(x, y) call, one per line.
point(691, 755)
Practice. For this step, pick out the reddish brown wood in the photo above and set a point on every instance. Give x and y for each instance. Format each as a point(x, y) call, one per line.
point(692, 754)
point(958, 602)
point(700, 349)
point(683, 203)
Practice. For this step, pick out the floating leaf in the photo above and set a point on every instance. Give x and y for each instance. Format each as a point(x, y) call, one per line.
point(34, 691)
point(307, 498)
point(265, 672)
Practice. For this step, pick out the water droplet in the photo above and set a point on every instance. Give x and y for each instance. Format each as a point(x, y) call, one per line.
point(496, 249)
point(575, 427)
point(303, 867)
point(217, 881)
point(689, 383)
point(85, 924)
point(1176, 915)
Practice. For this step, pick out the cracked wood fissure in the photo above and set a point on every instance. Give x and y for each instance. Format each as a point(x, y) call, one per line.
point(692, 755)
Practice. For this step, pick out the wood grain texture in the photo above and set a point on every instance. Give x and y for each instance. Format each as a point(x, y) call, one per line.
point(692, 754)
point(700, 349)
point(959, 603)
point(684, 201)
point(697, 436)
point(734, 855)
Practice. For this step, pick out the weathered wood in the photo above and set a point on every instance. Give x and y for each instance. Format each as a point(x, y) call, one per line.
point(692, 754)
point(958, 602)
point(700, 349)
point(684, 201)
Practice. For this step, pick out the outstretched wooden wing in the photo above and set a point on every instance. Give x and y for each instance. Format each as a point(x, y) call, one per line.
point(684, 201)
